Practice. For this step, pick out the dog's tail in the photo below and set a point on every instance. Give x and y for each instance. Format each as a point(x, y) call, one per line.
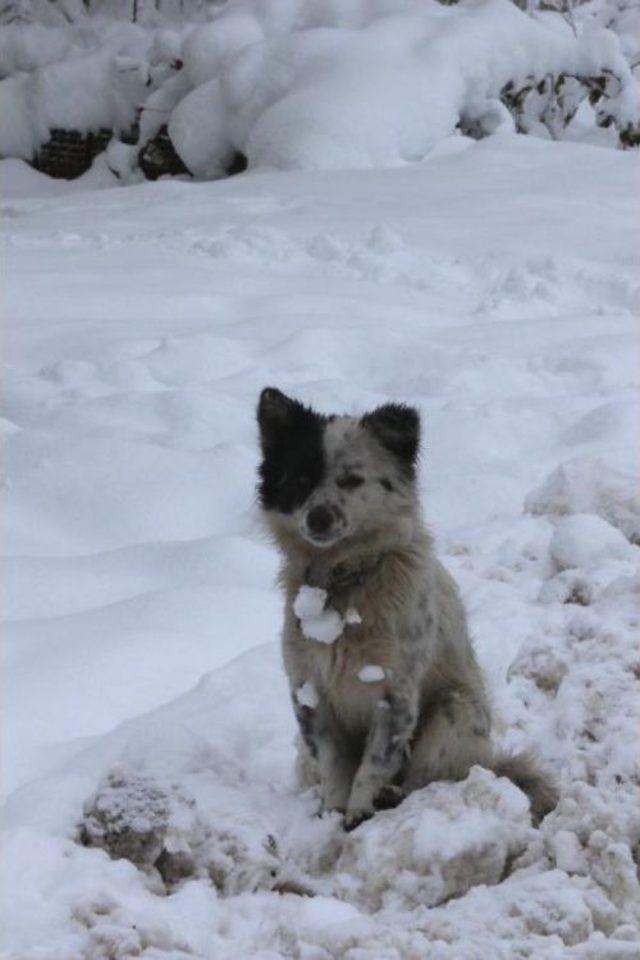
point(524, 770)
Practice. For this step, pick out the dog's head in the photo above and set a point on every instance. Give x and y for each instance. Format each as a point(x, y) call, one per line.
point(336, 480)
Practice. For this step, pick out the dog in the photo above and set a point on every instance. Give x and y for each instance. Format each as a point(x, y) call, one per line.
point(385, 686)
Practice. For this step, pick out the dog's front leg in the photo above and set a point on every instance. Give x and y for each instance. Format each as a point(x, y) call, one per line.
point(335, 763)
point(391, 730)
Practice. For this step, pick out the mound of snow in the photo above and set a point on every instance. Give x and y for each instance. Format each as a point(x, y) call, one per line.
point(157, 827)
point(585, 838)
point(589, 485)
point(439, 843)
point(583, 540)
point(132, 817)
point(198, 121)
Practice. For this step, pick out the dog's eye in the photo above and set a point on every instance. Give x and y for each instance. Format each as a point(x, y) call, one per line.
point(300, 482)
point(298, 479)
point(350, 482)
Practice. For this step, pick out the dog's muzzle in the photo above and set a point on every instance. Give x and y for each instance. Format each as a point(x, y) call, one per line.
point(324, 524)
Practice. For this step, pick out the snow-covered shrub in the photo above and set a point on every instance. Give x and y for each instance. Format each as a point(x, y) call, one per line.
point(62, 69)
point(311, 83)
point(369, 86)
point(602, 75)
point(96, 85)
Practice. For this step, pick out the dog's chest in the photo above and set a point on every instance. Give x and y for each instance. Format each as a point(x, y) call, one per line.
point(354, 672)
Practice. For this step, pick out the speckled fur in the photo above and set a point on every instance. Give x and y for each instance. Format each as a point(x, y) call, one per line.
point(367, 744)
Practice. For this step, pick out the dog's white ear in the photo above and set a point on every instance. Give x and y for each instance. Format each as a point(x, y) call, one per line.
point(397, 427)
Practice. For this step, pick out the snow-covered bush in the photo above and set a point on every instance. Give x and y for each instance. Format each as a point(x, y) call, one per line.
point(378, 85)
point(310, 83)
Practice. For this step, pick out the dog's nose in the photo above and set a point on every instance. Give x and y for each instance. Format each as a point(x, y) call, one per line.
point(319, 519)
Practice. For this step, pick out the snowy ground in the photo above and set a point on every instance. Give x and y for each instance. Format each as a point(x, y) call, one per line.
point(494, 287)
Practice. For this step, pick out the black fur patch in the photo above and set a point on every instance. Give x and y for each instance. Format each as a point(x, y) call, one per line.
point(397, 428)
point(291, 437)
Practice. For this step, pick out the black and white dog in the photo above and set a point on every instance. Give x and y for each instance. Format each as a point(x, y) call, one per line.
point(385, 685)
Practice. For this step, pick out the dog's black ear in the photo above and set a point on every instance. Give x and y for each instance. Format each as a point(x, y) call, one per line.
point(273, 406)
point(397, 428)
point(276, 412)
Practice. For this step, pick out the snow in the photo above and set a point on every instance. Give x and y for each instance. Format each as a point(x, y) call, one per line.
point(317, 621)
point(371, 673)
point(589, 484)
point(352, 616)
point(83, 82)
point(19, 180)
point(307, 695)
point(448, 840)
point(309, 602)
point(24, 47)
point(207, 48)
point(132, 818)
point(494, 286)
point(197, 121)
point(583, 540)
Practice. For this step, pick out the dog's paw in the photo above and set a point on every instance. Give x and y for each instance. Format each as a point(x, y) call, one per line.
point(389, 797)
point(353, 818)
